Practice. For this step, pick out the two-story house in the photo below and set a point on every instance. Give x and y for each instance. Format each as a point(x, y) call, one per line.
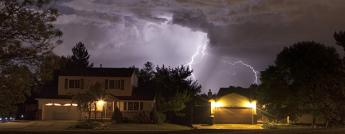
point(120, 83)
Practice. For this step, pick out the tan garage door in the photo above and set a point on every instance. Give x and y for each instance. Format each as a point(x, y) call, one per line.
point(225, 115)
point(60, 113)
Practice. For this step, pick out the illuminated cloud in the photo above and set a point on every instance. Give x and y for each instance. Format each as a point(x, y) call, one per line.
point(122, 33)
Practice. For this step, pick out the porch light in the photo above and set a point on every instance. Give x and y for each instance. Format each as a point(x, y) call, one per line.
point(99, 105)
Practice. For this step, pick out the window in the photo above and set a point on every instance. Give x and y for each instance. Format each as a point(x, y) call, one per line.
point(133, 106)
point(115, 84)
point(73, 83)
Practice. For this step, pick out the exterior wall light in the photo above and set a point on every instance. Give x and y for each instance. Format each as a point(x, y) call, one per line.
point(100, 104)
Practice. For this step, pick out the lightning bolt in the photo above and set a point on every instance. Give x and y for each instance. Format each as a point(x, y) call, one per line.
point(246, 65)
point(201, 49)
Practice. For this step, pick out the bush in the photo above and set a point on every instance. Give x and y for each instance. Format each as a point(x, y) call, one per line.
point(157, 117)
point(88, 124)
point(117, 116)
point(143, 117)
point(270, 125)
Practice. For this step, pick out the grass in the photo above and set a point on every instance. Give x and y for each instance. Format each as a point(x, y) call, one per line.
point(64, 127)
point(70, 126)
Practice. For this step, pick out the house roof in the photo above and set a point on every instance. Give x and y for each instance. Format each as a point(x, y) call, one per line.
point(110, 72)
point(247, 92)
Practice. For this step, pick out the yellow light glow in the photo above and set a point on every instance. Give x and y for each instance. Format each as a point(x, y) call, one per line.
point(49, 104)
point(214, 105)
point(57, 104)
point(218, 104)
point(100, 104)
point(67, 104)
point(74, 104)
point(251, 104)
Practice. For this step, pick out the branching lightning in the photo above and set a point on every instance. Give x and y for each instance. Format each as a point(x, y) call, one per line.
point(246, 65)
point(201, 50)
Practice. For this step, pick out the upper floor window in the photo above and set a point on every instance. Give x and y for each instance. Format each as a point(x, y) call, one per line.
point(73, 83)
point(115, 84)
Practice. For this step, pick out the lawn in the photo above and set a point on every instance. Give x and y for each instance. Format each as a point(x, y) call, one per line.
point(68, 126)
point(65, 127)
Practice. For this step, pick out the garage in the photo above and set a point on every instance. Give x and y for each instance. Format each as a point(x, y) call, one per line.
point(60, 113)
point(233, 115)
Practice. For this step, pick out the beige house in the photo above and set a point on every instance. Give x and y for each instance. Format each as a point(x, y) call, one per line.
point(233, 106)
point(120, 83)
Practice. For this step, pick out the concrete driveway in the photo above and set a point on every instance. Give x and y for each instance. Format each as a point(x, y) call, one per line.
point(229, 126)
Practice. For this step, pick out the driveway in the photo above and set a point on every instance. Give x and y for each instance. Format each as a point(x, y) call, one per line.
point(229, 126)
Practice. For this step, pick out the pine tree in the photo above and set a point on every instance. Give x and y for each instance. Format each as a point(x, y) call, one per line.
point(80, 57)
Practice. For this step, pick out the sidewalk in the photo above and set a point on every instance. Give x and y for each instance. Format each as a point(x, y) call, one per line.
point(229, 126)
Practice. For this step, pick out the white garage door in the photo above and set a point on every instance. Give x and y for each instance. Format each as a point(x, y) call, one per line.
point(60, 113)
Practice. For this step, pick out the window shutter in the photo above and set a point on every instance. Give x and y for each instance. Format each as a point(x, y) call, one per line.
point(82, 83)
point(66, 83)
point(141, 105)
point(106, 84)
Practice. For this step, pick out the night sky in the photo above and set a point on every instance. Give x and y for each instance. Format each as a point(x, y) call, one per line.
point(222, 40)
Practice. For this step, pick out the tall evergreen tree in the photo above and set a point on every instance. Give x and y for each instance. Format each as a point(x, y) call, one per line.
point(80, 57)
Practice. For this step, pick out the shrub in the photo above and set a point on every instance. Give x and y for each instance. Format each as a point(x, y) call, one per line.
point(88, 124)
point(270, 125)
point(143, 117)
point(157, 117)
point(117, 116)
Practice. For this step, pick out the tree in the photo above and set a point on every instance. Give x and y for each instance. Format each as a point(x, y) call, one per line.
point(172, 87)
point(15, 86)
point(26, 35)
point(303, 80)
point(80, 57)
point(88, 98)
point(26, 30)
point(340, 38)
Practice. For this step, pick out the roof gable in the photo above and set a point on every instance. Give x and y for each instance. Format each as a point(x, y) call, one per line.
point(247, 92)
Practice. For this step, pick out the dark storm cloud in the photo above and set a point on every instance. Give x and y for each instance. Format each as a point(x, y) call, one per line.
point(130, 32)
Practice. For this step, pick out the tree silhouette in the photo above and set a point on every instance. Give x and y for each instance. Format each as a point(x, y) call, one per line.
point(80, 57)
point(340, 38)
point(303, 80)
point(26, 34)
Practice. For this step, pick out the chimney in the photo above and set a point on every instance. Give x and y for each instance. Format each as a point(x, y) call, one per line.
point(100, 65)
point(209, 94)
